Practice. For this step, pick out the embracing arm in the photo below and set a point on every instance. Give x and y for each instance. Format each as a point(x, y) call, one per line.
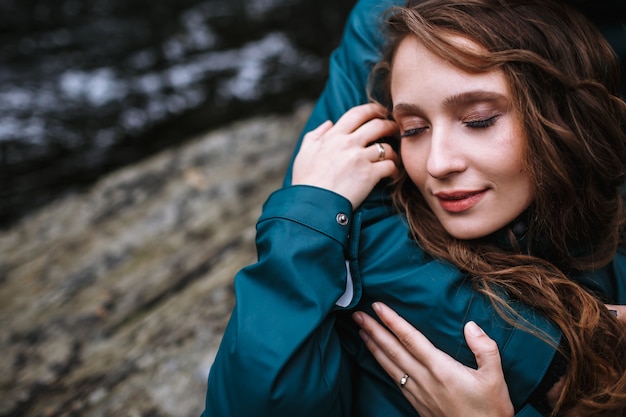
point(350, 66)
point(348, 77)
point(619, 312)
point(279, 354)
point(438, 385)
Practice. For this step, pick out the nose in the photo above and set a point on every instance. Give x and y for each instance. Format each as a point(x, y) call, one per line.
point(445, 156)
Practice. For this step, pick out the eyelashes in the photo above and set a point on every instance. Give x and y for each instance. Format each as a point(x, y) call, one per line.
point(472, 124)
point(412, 132)
point(482, 123)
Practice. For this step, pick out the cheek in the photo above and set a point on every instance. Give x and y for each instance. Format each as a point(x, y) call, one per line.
point(414, 162)
point(514, 170)
point(517, 163)
point(525, 185)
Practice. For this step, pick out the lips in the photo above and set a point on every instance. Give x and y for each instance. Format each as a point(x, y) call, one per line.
point(459, 201)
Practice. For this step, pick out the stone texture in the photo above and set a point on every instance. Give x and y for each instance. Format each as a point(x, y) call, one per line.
point(90, 86)
point(113, 302)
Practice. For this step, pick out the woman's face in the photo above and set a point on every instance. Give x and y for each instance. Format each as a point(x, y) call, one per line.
point(462, 142)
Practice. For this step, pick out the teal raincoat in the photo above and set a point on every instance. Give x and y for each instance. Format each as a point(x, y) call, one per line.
point(291, 347)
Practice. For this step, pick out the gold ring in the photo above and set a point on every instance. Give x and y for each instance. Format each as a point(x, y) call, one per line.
point(381, 151)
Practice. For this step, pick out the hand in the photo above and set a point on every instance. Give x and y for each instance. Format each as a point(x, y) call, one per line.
point(340, 157)
point(438, 385)
point(620, 312)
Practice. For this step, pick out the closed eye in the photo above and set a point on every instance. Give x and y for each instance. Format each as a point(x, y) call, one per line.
point(412, 132)
point(482, 124)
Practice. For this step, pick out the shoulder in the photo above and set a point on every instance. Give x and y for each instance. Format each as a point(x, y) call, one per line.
point(363, 39)
point(619, 260)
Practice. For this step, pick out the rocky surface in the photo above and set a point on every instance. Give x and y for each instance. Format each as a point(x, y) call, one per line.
point(113, 302)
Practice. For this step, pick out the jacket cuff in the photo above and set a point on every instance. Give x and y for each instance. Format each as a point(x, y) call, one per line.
point(316, 208)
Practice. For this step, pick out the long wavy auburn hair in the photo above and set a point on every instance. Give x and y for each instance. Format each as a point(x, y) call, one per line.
point(565, 83)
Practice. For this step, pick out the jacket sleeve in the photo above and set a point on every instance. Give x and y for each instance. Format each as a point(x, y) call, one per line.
point(350, 65)
point(280, 355)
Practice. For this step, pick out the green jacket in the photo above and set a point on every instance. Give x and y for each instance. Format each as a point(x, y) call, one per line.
point(291, 347)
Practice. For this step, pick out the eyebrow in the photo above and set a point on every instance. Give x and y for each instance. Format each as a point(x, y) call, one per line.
point(476, 96)
point(464, 99)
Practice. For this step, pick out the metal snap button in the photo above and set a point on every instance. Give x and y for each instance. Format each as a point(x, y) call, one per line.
point(342, 219)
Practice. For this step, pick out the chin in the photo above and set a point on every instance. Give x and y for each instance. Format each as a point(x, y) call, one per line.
point(467, 235)
point(470, 232)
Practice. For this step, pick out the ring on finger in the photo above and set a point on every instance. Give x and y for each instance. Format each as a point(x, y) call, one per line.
point(381, 151)
point(404, 380)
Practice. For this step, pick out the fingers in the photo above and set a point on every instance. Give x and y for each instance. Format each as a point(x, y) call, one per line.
point(400, 350)
point(367, 121)
point(380, 152)
point(365, 124)
point(340, 157)
point(618, 311)
point(319, 131)
point(489, 372)
point(405, 333)
point(374, 128)
point(383, 159)
point(357, 116)
point(438, 385)
point(361, 126)
point(484, 348)
point(383, 344)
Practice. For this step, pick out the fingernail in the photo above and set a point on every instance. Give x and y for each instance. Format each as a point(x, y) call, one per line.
point(474, 329)
point(377, 308)
point(614, 312)
point(364, 335)
point(358, 318)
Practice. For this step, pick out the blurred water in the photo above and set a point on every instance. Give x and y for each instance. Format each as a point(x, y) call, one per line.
point(86, 86)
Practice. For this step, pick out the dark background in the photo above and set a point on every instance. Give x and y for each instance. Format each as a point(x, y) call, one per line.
point(89, 86)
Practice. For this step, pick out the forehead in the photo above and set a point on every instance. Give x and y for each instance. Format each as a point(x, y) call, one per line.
point(419, 74)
